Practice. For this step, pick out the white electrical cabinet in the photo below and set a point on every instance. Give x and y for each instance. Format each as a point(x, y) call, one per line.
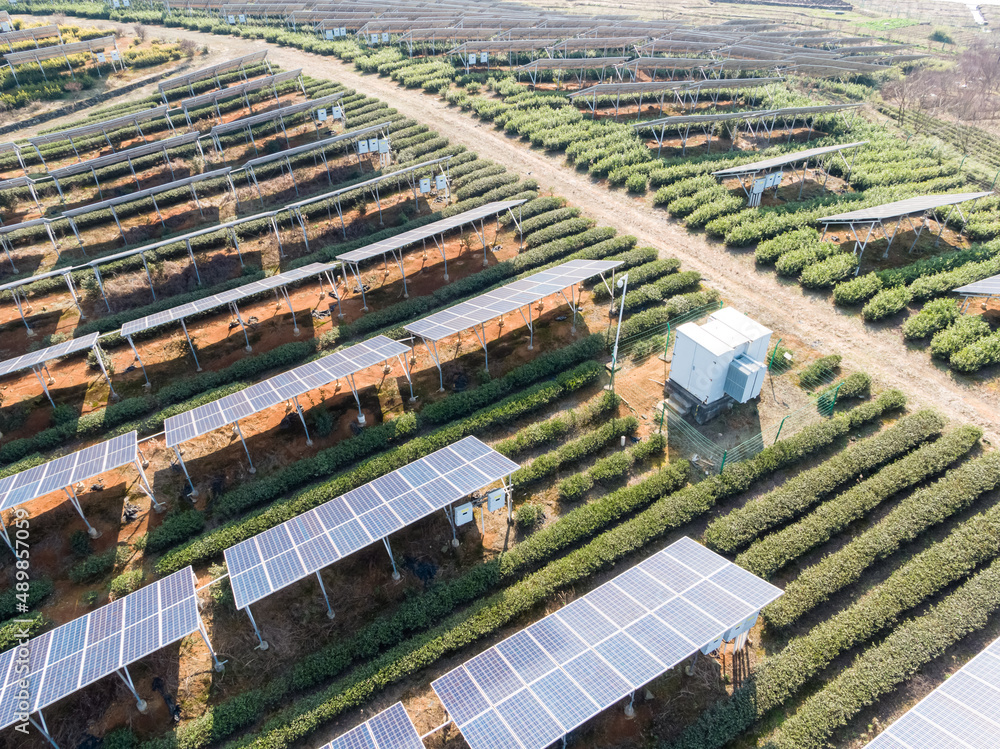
point(723, 357)
point(757, 334)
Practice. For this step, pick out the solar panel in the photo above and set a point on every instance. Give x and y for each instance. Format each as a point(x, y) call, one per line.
point(305, 106)
point(301, 546)
point(98, 127)
point(223, 67)
point(140, 194)
point(242, 88)
point(919, 204)
point(58, 50)
point(65, 471)
point(84, 650)
point(129, 153)
point(778, 161)
point(38, 32)
point(556, 674)
point(15, 182)
point(961, 713)
point(390, 729)
point(507, 298)
point(219, 300)
point(280, 388)
point(424, 232)
point(41, 356)
point(572, 63)
point(320, 144)
point(987, 287)
point(32, 279)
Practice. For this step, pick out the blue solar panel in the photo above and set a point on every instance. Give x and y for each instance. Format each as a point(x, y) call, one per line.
point(598, 649)
point(365, 514)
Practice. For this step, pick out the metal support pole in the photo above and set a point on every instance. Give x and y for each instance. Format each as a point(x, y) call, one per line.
point(263, 643)
point(329, 608)
point(219, 666)
point(395, 572)
point(236, 426)
point(180, 460)
point(302, 418)
point(140, 703)
point(139, 359)
point(75, 501)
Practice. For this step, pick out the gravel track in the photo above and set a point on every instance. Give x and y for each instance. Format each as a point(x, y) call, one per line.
point(784, 306)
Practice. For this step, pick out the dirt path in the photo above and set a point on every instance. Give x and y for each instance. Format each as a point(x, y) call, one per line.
point(786, 307)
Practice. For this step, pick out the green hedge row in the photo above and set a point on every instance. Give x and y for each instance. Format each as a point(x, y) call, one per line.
point(611, 469)
point(983, 352)
point(965, 331)
point(655, 319)
point(769, 554)
point(490, 615)
point(818, 373)
point(782, 676)
point(880, 669)
point(887, 303)
point(664, 288)
point(215, 541)
point(542, 432)
point(574, 450)
point(39, 588)
point(640, 275)
point(923, 509)
point(741, 526)
point(936, 315)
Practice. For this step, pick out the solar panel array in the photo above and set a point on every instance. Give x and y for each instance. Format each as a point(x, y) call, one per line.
point(58, 50)
point(390, 729)
point(69, 469)
point(98, 127)
point(274, 114)
point(986, 287)
point(779, 161)
point(919, 204)
point(35, 358)
point(149, 191)
point(544, 681)
point(129, 153)
point(241, 88)
point(84, 650)
point(32, 279)
point(507, 298)
point(280, 388)
point(218, 300)
point(223, 67)
point(299, 547)
point(320, 144)
point(424, 232)
point(38, 32)
point(959, 714)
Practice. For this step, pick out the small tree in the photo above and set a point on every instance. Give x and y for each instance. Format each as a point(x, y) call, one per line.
point(940, 35)
point(141, 32)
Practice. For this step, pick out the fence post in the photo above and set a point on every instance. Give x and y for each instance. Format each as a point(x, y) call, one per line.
point(835, 393)
point(773, 353)
point(666, 346)
point(779, 429)
point(663, 414)
point(721, 467)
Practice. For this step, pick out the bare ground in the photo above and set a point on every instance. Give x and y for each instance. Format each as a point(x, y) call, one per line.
point(787, 308)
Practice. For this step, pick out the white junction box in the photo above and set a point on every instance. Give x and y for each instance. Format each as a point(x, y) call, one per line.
point(722, 358)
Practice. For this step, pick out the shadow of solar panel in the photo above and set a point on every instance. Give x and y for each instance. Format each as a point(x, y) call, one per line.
point(528, 720)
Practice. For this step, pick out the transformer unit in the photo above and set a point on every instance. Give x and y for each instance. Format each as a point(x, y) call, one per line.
point(717, 363)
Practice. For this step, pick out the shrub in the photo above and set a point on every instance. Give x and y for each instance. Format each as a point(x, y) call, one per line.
point(769, 554)
point(93, 567)
point(10, 603)
point(857, 290)
point(529, 516)
point(612, 468)
point(936, 315)
point(125, 583)
point(636, 183)
point(827, 273)
point(914, 515)
point(886, 303)
point(575, 450)
point(965, 331)
point(819, 371)
point(79, 544)
point(984, 352)
point(770, 250)
point(855, 385)
point(739, 527)
point(176, 527)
